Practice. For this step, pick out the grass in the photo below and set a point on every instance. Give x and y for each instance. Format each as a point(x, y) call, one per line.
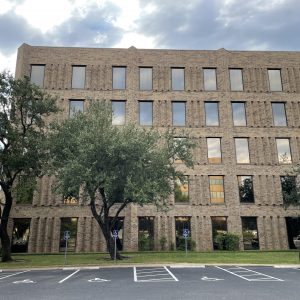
point(101, 259)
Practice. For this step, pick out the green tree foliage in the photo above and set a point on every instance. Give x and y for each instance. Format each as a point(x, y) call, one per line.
point(114, 165)
point(23, 147)
point(290, 189)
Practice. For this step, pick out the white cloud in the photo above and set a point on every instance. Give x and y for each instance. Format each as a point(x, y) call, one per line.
point(5, 6)
point(137, 40)
point(8, 62)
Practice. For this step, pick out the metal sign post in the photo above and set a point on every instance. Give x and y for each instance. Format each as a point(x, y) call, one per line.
point(66, 238)
point(186, 233)
point(115, 236)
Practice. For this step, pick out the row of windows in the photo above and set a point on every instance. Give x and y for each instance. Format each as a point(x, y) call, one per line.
point(217, 193)
point(21, 232)
point(179, 112)
point(146, 78)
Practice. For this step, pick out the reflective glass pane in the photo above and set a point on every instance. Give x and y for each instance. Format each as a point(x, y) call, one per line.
point(119, 78)
point(177, 79)
point(68, 224)
point(146, 233)
point(283, 151)
point(216, 187)
point(279, 116)
point(250, 233)
point(210, 83)
point(236, 79)
point(214, 150)
point(20, 235)
point(146, 113)
point(146, 79)
point(37, 75)
point(181, 193)
point(182, 224)
point(75, 106)
point(239, 114)
point(78, 77)
point(242, 151)
point(246, 189)
point(219, 226)
point(275, 80)
point(211, 114)
point(118, 110)
point(178, 113)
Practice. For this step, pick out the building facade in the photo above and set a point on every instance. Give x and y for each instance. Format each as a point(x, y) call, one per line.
point(243, 110)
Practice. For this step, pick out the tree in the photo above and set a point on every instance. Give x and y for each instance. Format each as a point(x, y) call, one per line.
point(113, 166)
point(23, 147)
point(290, 189)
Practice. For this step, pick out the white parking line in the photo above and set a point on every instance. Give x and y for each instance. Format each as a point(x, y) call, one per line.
point(255, 276)
point(147, 274)
point(69, 276)
point(13, 274)
point(171, 274)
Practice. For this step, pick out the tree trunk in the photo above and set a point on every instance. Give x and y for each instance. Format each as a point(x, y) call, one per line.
point(5, 240)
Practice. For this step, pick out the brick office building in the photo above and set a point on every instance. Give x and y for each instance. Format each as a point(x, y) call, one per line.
point(243, 109)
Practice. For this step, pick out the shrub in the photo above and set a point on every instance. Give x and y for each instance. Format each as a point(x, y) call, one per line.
point(163, 242)
point(145, 243)
point(227, 241)
point(191, 244)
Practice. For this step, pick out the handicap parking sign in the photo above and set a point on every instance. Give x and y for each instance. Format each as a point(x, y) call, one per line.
point(67, 235)
point(115, 233)
point(186, 233)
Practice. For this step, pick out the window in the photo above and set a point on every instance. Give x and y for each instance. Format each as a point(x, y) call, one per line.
point(177, 79)
point(238, 114)
point(178, 113)
point(118, 111)
point(242, 151)
point(219, 226)
point(236, 80)
point(181, 193)
point(78, 77)
point(214, 150)
point(119, 78)
point(182, 224)
point(25, 189)
point(146, 233)
point(145, 79)
point(216, 187)
point(250, 233)
point(283, 151)
point(279, 116)
point(211, 114)
point(20, 236)
point(146, 113)
point(275, 83)
point(210, 82)
point(75, 106)
point(37, 75)
point(290, 191)
point(68, 224)
point(246, 189)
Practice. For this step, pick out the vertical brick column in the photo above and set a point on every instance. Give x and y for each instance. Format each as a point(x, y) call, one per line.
point(33, 235)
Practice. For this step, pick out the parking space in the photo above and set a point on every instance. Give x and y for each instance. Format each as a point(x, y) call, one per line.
point(224, 282)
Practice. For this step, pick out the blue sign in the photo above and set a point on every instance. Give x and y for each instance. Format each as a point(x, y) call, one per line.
point(115, 234)
point(67, 235)
point(186, 233)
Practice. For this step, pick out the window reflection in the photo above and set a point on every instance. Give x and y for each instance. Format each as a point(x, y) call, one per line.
point(68, 224)
point(279, 116)
point(75, 106)
point(211, 114)
point(146, 111)
point(178, 113)
point(250, 233)
point(37, 75)
point(242, 151)
point(181, 193)
point(118, 111)
point(20, 235)
point(239, 114)
point(275, 83)
point(78, 77)
point(283, 151)
point(214, 150)
point(246, 189)
point(177, 79)
point(146, 79)
point(219, 226)
point(236, 80)
point(210, 82)
point(216, 187)
point(181, 224)
point(119, 78)
point(146, 233)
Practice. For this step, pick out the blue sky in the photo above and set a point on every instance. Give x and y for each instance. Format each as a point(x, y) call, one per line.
point(172, 24)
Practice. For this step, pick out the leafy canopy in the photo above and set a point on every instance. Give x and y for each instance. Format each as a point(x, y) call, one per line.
point(129, 163)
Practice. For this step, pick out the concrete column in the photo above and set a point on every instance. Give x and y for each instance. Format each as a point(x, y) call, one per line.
point(33, 235)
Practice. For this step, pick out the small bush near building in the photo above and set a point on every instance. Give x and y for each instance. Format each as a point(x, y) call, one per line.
point(163, 243)
point(191, 244)
point(227, 241)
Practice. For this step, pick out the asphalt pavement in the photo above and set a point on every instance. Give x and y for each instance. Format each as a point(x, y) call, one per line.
point(153, 282)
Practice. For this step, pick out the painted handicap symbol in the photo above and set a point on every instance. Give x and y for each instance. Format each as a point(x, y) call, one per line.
point(24, 281)
point(210, 279)
point(98, 280)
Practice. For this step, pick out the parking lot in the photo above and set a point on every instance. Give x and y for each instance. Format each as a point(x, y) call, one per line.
point(155, 282)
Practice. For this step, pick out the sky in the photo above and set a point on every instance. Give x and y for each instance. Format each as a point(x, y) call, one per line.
point(160, 24)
